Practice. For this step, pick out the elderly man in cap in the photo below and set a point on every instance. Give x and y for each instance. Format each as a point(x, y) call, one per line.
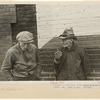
point(71, 61)
point(21, 60)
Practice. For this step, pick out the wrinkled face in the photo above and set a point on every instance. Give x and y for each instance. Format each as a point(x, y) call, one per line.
point(67, 43)
point(24, 46)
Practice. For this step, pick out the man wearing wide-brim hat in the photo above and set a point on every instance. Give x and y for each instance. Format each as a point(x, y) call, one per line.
point(21, 61)
point(71, 62)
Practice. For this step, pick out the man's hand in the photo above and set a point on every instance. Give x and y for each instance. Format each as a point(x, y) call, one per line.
point(58, 54)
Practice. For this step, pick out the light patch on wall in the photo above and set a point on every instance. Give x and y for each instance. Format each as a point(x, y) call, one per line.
point(53, 19)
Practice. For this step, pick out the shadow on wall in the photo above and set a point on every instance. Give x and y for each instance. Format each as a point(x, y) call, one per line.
point(90, 42)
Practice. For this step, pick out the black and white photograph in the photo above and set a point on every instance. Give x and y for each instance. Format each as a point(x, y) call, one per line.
point(50, 42)
point(50, 49)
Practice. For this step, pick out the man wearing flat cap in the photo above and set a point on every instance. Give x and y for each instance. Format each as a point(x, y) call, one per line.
point(71, 61)
point(21, 60)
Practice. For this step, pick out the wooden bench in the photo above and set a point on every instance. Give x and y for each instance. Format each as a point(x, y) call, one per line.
point(90, 42)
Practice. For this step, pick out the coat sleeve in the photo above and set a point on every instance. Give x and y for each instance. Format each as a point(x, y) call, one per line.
point(85, 62)
point(7, 64)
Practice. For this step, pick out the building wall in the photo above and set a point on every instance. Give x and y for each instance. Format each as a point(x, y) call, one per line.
point(14, 19)
point(52, 19)
point(91, 43)
point(7, 16)
point(26, 21)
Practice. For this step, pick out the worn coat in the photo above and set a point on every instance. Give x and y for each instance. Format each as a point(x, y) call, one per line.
point(21, 64)
point(74, 64)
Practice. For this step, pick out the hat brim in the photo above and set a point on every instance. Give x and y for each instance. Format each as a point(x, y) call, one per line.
point(30, 41)
point(68, 37)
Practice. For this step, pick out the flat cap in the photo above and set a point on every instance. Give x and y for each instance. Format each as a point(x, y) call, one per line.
point(25, 36)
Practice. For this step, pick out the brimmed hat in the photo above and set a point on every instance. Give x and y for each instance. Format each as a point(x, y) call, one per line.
point(25, 36)
point(68, 34)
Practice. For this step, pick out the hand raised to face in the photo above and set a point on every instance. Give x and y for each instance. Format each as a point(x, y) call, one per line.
point(58, 54)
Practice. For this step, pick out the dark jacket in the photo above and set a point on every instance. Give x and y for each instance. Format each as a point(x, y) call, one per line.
point(74, 64)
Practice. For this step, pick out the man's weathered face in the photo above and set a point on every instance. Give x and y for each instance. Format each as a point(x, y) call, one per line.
point(24, 46)
point(67, 43)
